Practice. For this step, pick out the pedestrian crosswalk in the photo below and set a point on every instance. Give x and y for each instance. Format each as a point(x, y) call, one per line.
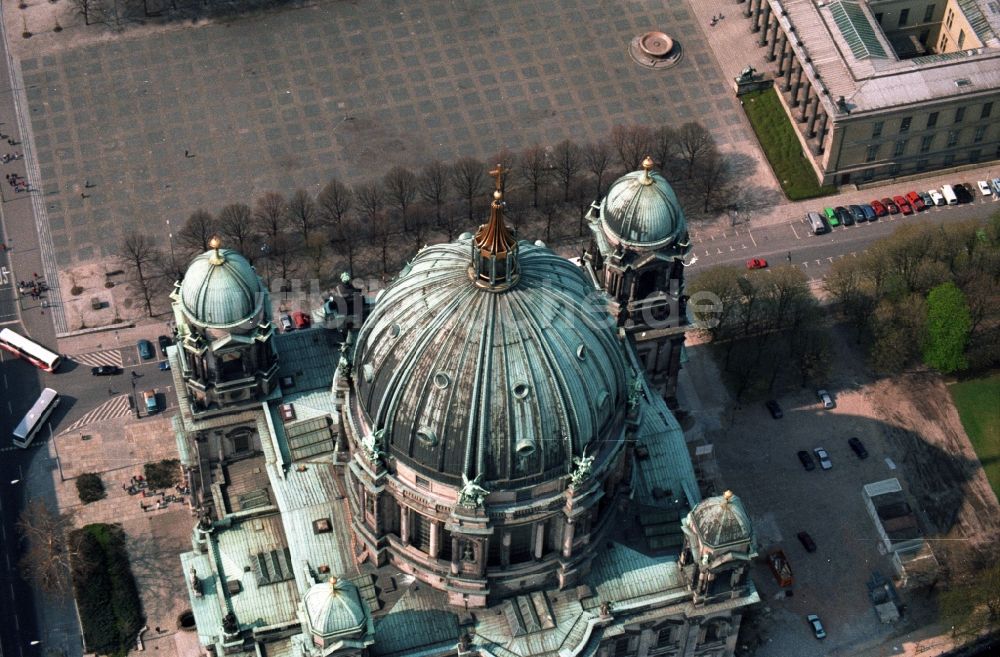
point(116, 407)
point(95, 358)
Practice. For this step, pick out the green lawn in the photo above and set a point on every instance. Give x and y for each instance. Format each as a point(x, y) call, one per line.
point(781, 146)
point(978, 404)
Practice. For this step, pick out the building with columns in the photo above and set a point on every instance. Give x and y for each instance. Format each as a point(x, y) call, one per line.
point(485, 467)
point(880, 89)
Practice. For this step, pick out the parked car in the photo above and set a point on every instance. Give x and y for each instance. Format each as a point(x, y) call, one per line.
point(879, 208)
point(902, 204)
point(857, 213)
point(105, 370)
point(817, 626)
point(995, 184)
point(145, 349)
point(963, 192)
point(165, 342)
point(950, 197)
point(286, 323)
point(149, 396)
point(984, 188)
point(823, 457)
point(817, 223)
point(858, 447)
point(301, 320)
point(756, 263)
point(936, 196)
point(825, 397)
point(831, 217)
point(926, 198)
point(870, 214)
point(890, 205)
point(844, 216)
point(775, 409)
point(806, 460)
point(807, 541)
point(915, 201)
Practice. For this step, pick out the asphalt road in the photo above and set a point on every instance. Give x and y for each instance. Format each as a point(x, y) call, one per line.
point(815, 253)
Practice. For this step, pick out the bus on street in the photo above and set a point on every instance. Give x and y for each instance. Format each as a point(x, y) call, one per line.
point(36, 417)
point(30, 351)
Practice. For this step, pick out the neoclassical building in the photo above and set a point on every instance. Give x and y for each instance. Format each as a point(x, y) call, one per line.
point(490, 468)
point(879, 89)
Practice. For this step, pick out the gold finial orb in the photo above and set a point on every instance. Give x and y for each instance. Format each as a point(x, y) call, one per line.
point(215, 242)
point(728, 495)
point(647, 163)
point(333, 582)
point(497, 195)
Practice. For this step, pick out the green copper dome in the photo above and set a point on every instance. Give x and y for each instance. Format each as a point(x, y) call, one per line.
point(641, 210)
point(721, 520)
point(334, 608)
point(221, 289)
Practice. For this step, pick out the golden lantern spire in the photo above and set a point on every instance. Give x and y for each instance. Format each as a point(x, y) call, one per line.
point(214, 243)
point(647, 166)
point(494, 246)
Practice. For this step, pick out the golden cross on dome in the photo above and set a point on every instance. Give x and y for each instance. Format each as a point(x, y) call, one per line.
point(498, 174)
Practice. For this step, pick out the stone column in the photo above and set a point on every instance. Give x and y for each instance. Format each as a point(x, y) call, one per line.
point(775, 28)
point(404, 525)
point(804, 110)
point(748, 9)
point(505, 550)
point(765, 25)
point(822, 132)
point(567, 550)
point(811, 130)
point(784, 50)
point(788, 74)
point(755, 21)
point(435, 539)
point(539, 539)
point(796, 86)
point(456, 556)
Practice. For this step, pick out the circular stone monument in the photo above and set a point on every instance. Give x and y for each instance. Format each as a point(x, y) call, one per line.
point(654, 50)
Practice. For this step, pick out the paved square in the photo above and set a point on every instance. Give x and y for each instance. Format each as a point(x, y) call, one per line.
point(289, 99)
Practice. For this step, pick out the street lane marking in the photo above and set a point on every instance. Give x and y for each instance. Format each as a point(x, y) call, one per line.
point(794, 232)
point(750, 233)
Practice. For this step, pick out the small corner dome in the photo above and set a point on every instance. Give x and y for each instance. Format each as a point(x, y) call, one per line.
point(334, 608)
point(221, 289)
point(641, 210)
point(722, 520)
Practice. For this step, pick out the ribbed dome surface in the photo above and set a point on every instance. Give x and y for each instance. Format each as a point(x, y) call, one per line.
point(643, 211)
point(334, 608)
point(508, 384)
point(722, 520)
point(220, 289)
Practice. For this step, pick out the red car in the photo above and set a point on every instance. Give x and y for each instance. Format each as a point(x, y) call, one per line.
point(890, 207)
point(756, 263)
point(916, 202)
point(904, 207)
point(879, 209)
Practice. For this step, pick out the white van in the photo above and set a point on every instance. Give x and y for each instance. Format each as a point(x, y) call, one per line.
point(949, 195)
point(816, 223)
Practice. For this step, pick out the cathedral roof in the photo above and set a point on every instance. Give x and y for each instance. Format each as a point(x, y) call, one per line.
point(508, 381)
point(220, 288)
point(721, 520)
point(334, 608)
point(641, 210)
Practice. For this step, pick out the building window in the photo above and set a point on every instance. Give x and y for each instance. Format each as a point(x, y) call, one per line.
point(423, 483)
point(987, 109)
point(949, 159)
point(944, 43)
point(961, 38)
point(949, 18)
point(959, 115)
point(904, 15)
point(953, 138)
point(980, 133)
point(905, 125)
point(974, 155)
point(900, 147)
point(869, 174)
point(925, 143)
point(921, 165)
point(877, 128)
point(932, 119)
point(929, 13)
point(894, 170)
point(872, 153)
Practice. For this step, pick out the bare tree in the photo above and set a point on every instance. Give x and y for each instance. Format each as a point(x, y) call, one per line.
point(401, 190)
point(347, 234)
point(315, 249)
point(86, 8)
point(197, 231)
point(270, 216)
point(302, 213)
point(433, 187)
point(236, 227)
point(370, 200)
point(380, 229)
point(632, 144)
point(567, 162)
point(468, 178)
point(535, 169)
point(664, 143)
point(335, 200)
point(138, 253)
point(712, 175)
point(693, 143)
point(421, 222)
point(168, 267)
point(49, 550)
point(597, 158)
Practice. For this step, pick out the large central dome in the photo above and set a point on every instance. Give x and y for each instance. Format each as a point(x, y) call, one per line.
point(510, 380)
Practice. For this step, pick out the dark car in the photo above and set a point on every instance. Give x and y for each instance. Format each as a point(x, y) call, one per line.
point(807, 541)
point(105, 370)
point(146, 349)
point(870, 214)
point(859, 214)
point(807, 460)
point(890, 205)
point(844, 215)
point(165, 342)
point(775, 409)
point(963, 192)
point(858, 447)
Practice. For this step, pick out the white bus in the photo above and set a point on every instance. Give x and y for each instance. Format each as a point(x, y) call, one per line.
point(36, 417)
point(31, 351)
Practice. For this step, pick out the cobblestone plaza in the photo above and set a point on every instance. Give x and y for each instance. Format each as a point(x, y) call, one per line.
point(138, 130)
